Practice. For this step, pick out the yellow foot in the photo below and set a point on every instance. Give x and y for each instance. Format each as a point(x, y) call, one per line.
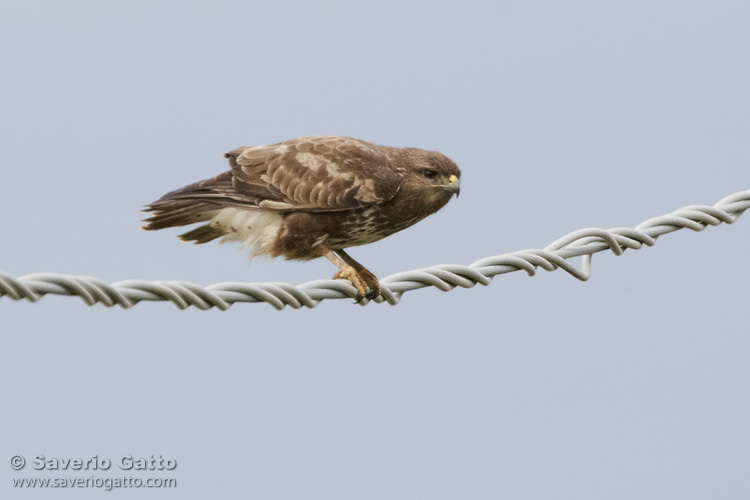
point(364, 281)
point(372, 283)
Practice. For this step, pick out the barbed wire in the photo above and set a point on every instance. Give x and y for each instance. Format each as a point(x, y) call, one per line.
point(584, 242)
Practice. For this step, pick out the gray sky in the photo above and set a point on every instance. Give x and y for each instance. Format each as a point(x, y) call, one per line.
point(562, 115)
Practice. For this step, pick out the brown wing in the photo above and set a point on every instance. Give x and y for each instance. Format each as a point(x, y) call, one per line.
point(314, 174)
point(320, 173)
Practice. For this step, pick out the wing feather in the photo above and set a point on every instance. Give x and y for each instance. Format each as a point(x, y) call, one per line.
point(318, 173)
point(313, 174)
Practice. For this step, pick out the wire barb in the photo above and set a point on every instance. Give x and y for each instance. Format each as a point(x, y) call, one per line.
point(446, 277)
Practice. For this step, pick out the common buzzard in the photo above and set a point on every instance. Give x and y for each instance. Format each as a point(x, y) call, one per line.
point(313, 197)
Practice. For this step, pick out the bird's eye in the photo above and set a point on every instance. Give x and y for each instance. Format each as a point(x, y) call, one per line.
point(430, 174)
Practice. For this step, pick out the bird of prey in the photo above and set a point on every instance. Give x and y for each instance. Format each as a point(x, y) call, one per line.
point(313, 197)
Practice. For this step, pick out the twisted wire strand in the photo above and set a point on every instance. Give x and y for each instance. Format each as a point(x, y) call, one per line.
point(445, 277)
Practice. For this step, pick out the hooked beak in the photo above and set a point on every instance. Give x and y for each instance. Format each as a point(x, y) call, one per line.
point(454, 185)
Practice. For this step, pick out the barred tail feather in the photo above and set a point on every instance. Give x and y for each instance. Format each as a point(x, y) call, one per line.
point(202, 234)
point(231, 215)
point(171, 213)
point(197, 202)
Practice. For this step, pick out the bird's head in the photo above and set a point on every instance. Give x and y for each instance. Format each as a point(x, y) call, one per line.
point(432, 176)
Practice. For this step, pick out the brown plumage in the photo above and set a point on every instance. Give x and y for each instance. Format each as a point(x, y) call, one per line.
point(313, 197)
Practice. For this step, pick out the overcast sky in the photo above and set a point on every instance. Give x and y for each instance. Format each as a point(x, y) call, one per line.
point(561, 115)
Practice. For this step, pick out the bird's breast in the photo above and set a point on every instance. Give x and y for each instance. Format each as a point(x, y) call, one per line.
point(363, 226)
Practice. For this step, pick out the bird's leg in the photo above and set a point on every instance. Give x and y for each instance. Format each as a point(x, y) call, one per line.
point(351, 270)
point(370, 280)
point(347, 272)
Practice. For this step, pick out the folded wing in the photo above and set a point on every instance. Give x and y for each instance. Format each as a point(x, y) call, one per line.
point(314, 174)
